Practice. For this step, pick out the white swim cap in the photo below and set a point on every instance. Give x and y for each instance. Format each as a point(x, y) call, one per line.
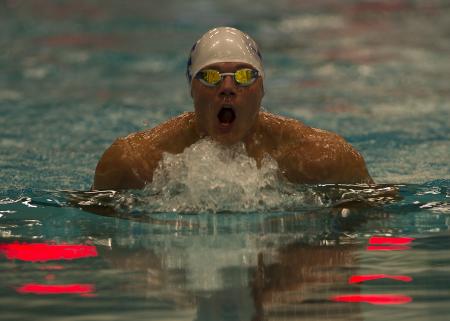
point(223, 44)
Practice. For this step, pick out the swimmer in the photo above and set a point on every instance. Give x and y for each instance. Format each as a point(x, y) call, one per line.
point(226, 78)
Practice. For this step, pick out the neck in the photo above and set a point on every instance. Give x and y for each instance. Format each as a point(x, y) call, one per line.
point(254, 142)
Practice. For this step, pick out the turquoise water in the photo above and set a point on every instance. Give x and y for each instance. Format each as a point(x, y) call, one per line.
point(76, 75)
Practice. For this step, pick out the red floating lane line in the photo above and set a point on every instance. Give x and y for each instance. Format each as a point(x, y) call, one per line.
point(43, 252)
point(384, 299)
point(43, 289)
point(403, 278)
point(370, 277)
point(388, 248)
point(374, 240)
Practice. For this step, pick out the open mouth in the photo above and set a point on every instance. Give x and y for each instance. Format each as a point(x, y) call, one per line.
point(226, 115)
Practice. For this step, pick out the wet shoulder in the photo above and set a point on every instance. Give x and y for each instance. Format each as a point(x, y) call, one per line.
point(317, 134)
point(130, 161)
point(329, 158)
point(311, 155)
point(283, 130)
point(167, 136)
point(173, 125)
point(288, 130)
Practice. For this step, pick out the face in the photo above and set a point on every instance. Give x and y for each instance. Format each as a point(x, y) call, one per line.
point(227, 112)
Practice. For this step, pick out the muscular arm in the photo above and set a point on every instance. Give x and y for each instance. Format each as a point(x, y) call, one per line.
point(116, 169)
point(325, 157)
point(129, 162)
point(310, 156)
point(346, 164)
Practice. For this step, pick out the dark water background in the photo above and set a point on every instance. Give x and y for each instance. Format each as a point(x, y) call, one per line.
point(74, 75)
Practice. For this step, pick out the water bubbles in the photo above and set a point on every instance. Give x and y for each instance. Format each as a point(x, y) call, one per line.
point(437, 207)
point(210, 177)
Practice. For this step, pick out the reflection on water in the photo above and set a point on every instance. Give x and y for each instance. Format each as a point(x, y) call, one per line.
point(321, 262)
point(46, 252)
point(267, 281)
point(233, 277)
point(32, 288)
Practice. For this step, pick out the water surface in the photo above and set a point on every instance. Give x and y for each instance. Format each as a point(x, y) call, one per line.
point(237, 245)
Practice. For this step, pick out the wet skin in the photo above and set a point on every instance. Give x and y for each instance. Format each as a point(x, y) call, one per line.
point(245, 101)
point(304, 154)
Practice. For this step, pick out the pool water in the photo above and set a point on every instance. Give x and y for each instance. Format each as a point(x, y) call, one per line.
point(214, 237)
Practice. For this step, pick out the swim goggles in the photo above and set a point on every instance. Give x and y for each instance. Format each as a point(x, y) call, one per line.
point(242, 77)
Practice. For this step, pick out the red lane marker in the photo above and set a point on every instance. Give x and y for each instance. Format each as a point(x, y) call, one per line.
point(35, 252)
point(384, 299)
point(388, 248)
point(43, 289)
point(370, 277)
point(375, 240)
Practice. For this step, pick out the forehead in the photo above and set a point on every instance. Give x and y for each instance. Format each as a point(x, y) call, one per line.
point(228, 66)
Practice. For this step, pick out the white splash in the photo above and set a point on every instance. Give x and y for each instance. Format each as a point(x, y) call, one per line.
point(209, 177)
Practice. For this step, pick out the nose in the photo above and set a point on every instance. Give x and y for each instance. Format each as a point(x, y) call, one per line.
point(227, 87)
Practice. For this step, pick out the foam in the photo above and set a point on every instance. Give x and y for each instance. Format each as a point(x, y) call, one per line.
point(209, 177)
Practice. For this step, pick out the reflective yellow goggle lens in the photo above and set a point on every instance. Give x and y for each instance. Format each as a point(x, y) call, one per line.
point(211, 76)
point(243, 77)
